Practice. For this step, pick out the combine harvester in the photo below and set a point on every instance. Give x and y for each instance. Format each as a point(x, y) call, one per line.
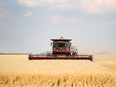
point(62, 50)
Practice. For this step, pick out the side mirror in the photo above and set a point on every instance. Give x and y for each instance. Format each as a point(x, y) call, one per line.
point(51, 43)
point(69, 44)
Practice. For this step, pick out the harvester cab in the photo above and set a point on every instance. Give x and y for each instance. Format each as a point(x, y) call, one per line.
point(62, 49)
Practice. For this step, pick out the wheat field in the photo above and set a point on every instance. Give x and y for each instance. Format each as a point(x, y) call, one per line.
point(18, 71)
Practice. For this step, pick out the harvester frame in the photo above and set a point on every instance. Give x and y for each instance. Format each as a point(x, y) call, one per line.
point(61, 50)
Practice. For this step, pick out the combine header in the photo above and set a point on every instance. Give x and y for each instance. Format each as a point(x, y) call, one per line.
point(62, 50)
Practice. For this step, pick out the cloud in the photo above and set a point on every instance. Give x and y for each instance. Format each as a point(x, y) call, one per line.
point(29, 3)
point(98, 6)
point(62, 19)
point(87, 6)
point(38, 3)
point(28, 14)
point(4, 13)
point(57, 18)
point(72, 19)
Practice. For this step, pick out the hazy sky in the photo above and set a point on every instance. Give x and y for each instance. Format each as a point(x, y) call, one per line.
point(28, 25)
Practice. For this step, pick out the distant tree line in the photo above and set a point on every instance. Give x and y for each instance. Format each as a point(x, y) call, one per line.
point(15, 53)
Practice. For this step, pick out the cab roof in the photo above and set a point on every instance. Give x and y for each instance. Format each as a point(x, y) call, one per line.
point(61, 39)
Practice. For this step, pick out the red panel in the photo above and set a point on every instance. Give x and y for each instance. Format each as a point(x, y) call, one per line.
point(54, 49)
point(67, 49)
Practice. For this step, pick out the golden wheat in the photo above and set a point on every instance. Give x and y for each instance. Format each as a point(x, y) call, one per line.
point(18, 71)
point(96, 80)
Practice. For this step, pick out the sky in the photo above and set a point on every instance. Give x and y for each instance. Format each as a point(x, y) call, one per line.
point(26, 26)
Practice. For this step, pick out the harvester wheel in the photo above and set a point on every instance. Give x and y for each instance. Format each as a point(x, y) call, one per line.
point(54, 54)
point(74, 54)
point(68, 54)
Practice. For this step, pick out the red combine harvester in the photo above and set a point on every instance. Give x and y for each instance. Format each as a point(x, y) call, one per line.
point(61, 49)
